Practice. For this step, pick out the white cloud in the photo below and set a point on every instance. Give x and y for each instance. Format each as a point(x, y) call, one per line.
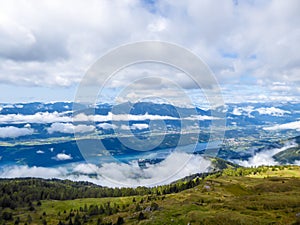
point(148, 76)
point(8, 106)
point(177, 165)
point(62, 123)
point(237, 42)
point(70, 128)
point(272, 111)
point(19, 106)
point(55, 117)
point(62, 157)
point(120, 117)
point(287, 126)
point(14, 132)
point(159, 25)
point(201, 118)
point(264, 157)
point(277, 86)
point(106, 126)
point(248, 110)
point(26, 171)
point(125, 127)
point(236, 111)
point(86, 168)
point(40, 117)
point(139, 126)
point(70, 49)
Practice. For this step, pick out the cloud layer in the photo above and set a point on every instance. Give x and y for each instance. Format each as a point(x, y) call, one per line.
point(175, 166)
point(264, 157)
point(287, 126)
point(40, 117)
point(69, 128)
point(55, 117)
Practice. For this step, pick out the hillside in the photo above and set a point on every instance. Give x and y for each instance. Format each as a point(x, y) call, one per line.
point(263, 195)
point(290, 155)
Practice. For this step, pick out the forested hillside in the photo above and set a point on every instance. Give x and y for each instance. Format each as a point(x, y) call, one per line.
point(263, 195)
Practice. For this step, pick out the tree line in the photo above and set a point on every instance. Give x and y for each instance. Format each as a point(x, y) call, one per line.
point(22, 192)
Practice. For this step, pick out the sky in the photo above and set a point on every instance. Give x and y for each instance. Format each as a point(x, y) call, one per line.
point(251, 46)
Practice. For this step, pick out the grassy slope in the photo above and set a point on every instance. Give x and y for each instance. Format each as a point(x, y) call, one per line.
point(288, 156)
point(269, 197)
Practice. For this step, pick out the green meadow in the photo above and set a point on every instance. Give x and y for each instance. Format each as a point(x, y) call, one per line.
point(263, 195)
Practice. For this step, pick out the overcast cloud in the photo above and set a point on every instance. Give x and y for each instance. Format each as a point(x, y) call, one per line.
point(52, 43)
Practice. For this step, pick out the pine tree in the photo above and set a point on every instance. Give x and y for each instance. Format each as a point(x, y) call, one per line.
point(120, 220)
point(141, 216)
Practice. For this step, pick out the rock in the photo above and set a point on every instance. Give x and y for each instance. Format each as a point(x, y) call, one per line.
point(148, 209)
